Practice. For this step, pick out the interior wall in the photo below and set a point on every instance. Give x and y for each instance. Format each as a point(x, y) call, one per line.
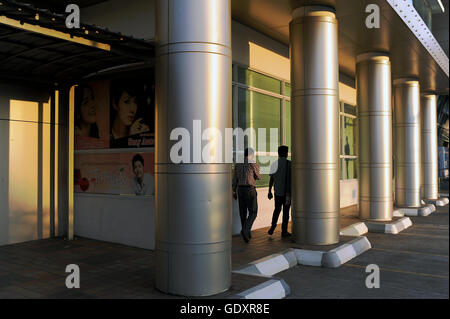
point(128, 220)
point(257, 51)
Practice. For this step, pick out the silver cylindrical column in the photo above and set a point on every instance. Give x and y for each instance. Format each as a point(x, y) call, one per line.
point(193, 198)
point(407, 142)
point(428, 117)
point(373, 87)
point(315, 125)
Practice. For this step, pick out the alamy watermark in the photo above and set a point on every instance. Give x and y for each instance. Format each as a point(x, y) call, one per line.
point(373, 19)
point(73, 19)
point(73, 280)
point(373, 279)
point(212, 145)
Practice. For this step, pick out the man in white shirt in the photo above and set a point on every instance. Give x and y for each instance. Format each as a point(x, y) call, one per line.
point(142, 184)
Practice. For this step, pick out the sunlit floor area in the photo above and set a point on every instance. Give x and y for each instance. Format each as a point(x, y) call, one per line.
point(413, 264)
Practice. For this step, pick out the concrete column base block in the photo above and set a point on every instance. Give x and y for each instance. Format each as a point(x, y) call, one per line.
point(275, 263)
point(335, 257)
point(440, 202)
point(342, 254)
point(398, 213)
point(425, 210)
point(356, 229)
point(270, 265)
point(309, 257)
point(271, 289)
point(444, 198)
point(393, 227)
point(274, 288)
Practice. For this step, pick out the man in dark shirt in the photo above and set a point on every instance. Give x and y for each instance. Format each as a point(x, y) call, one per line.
point(280, 178)
point(244, 182)
point(347, 152)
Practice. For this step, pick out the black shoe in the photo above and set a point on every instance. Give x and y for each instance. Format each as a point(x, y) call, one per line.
point(286, 234)
point(271, 230)
point(244, 236)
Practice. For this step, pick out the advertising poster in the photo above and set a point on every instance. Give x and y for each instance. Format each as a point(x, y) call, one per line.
point(116, 113)
point(131, 113)
point(117, 174)
point(92, 115)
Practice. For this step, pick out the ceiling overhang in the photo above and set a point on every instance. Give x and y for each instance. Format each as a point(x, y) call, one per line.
point(409, 57)
point(36, 45)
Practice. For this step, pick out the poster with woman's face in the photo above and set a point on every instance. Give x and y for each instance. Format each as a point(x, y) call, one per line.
point(91, 125)
point(115, 113)
point(131, 113)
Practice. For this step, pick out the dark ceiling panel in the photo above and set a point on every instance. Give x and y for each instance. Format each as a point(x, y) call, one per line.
point(27, 53)
point(59, 5)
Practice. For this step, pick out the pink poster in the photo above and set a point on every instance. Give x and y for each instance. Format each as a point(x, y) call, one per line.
point(115, 173)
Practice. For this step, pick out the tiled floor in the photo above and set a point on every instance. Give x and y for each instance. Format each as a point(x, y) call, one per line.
point(37, 269)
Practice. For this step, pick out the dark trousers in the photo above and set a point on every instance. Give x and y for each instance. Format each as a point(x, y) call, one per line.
point(280, 201)
point(248, 200)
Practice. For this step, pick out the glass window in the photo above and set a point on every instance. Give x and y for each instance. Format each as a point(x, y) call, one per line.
point(258, 110)
point(349, 109)
point(259, 80)
point(288, 124)
point(287, 89)
point(348, 136)
point(349, 168)
point(233, 106)
point(264, 166)
point(349, 142)
point(264, 163)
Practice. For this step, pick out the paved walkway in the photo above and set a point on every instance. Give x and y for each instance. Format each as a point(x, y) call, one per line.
point(262, 245)
point(413, 264)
